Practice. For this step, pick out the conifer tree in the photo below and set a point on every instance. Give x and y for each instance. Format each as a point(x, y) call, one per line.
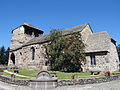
point(4, 55)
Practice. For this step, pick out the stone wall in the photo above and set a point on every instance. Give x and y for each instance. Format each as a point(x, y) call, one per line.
point(101, 60)
point(108, 61)
point(14, 81)
point(113, 57)
point(87, 81)
point(86, 32)
point(115, 76)
point(23, 57)
point(19, 38)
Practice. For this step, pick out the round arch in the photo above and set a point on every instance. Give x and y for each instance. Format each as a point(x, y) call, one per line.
point(13, 58)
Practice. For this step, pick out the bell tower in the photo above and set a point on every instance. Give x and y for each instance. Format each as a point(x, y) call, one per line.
point(20, 36)
point(23, 34)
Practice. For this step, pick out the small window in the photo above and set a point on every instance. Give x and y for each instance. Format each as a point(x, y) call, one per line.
point(33, 52)
point(93, 61)
point(20, 53)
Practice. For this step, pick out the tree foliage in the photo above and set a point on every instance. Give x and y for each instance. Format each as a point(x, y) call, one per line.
point(4, 54)
point(118, 49)
point(65, 52)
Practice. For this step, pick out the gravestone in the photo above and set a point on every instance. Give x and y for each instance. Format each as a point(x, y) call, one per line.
point(43, 81)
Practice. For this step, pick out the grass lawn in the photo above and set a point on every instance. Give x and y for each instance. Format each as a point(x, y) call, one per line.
point(116, 72)
point(66, 75)
point(30, 73)
point(8, 75)
point(60, 75)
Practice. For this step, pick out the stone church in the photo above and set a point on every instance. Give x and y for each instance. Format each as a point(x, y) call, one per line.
point(27, 49)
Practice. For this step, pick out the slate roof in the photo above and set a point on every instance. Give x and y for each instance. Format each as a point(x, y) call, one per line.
point(74, 29)
point(98, 42)
point(68, 31)
point(40, 39)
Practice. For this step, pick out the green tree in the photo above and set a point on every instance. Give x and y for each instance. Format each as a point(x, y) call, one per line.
point(4, 54)
point(65, 52)
point(6, 57)
point(118, 49)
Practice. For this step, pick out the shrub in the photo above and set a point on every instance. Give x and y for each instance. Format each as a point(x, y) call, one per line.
point(107, 74)
point(1, 70)
point(12, 76)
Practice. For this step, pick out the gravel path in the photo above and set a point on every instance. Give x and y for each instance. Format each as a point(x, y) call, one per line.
point(113, 85)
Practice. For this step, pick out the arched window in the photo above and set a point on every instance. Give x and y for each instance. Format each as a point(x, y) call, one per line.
point(13, 58)
point(93, 60)
point(33, 52)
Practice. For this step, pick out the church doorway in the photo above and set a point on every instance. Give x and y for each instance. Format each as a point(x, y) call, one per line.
point(13, 58)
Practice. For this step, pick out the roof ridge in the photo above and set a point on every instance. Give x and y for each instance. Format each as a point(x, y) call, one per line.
point(102, 32)
point(30, 25)
point(76, 27)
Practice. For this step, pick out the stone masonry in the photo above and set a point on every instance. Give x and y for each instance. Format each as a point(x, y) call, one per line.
point(27, 49)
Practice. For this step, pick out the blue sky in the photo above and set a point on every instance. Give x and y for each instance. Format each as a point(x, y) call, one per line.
point(102, 15)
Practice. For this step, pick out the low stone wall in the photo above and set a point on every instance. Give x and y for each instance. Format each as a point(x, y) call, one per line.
point(87, 81)
point(118, 74)
point(61, 82)
point(14, 81)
